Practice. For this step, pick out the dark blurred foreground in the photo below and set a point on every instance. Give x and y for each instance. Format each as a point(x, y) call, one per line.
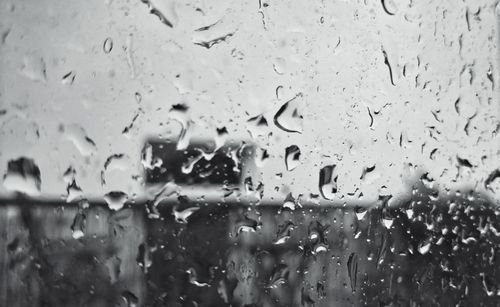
point(424, 251)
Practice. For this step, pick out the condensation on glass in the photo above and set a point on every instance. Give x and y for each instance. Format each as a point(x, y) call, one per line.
point(249, 153)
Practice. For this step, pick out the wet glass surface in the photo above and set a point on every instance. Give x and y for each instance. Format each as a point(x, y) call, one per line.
point(249, 153)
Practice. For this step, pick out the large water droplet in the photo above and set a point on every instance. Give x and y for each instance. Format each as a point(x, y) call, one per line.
point(328, 181)
point(116, 199)
point(284, 232)
point(352, 270)
point(178, 112)
point(424, 246)
point(23, 176)
point(288, 117)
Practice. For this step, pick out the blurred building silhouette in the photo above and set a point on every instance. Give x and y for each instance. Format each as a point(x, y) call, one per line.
point(426, 250)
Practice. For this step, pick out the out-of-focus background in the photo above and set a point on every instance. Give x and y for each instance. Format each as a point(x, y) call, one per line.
point(249, 153)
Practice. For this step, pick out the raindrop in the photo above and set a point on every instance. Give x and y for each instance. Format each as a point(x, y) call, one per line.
point(352, 269)
point(284, 232)
point(387, 222)
point(68, 78)
point(317, 235)
point(79, 222)
point(261, 155)
point(210, 43)
point(367, 170)
point(193, 278)
point(178, 112)
point(491, 178)
point(489, 75)
point(107, 46)
point(257, 126)
point(23, 176)
point(138, 97)
point(144, 256)
point(246, 224)
point(389, 7)
point(386, 62)
point(182, 216)
point(116, 200)
point(288, 117)
point(292, 157)
point(425, 246)
point(221, 137)
point(149, 161)
point(73, 192)
point(463, 162)
point(130, 299)
point(115, 161)
point(360, 212)
point(328, 181)
point(159, 9)
point(279, 276)
point(77, 135)
point(290, 202)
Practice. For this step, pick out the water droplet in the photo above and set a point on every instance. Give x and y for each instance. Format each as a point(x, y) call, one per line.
point(149, 161)
point(261, 155)
point(73, 192)
point(290, 202)
point(491, 178)
point(145, 256)
point(425, 246)
point(279, 276)
point(182, 216)
point(114, 162)
point(360, 212)
point(317, 234)
point(387, 222)
point(389, 6)
point(352, 269)
point(164, 10)
point(193, 278)
point(178, 112)
point(69, 78)
point(288, 117)
point(107, 46)
point(246, 224)
point(328, 181)
point(257, 126)
point(130, 299)
point(23, 176)
point(221, 137)
point(77, 135)
point(80, 221)
point(292, 157)
point(116, 200)
point(284, 232)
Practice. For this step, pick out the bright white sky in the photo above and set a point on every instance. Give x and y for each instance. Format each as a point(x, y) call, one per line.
point(332, 52)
